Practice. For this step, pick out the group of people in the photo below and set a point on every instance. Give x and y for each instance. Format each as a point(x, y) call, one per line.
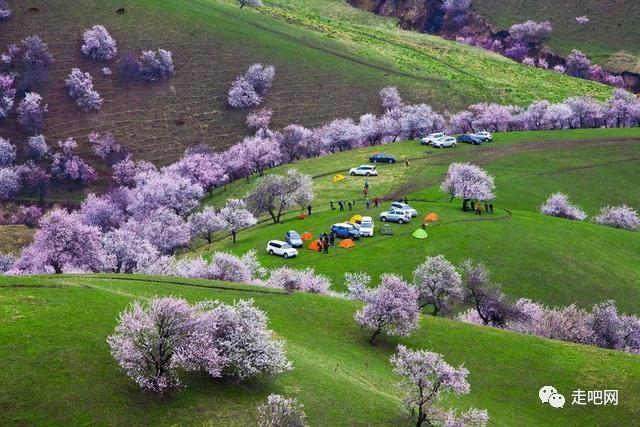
point(477, 206)
point(326, 240)
point(342, 204)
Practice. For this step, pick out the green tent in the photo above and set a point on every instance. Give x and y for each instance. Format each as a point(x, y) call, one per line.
point(420, 234)
point(386, 230)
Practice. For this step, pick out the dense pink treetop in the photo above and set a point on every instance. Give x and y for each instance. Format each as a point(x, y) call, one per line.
point(468, 182)
point(5, 10)
point(205, 223)
point(125, 171)
point(586, 112)
point(293, 142)
point(63, 243)
point(390, 98)
point(259, 120)
point(259, 153)
point(35, 52)
point(7, 152)
point(101, 212)
point(558, 204)
point(161, 227)
point(9, 183)
point(420, 120)
point(204, 169)
point(461, 122)
point(260, 77)
point(37, 147)
point(156, 65)
point(298, 280)
point(623, 216)
point(80, 87)
point(372, 129)
point(242, 94)
point(127, 252)
point(517, 51)
point(339, 135)
point(392, 308)
point(105, 146)
point(558, 116)
point(66, 165)
point(236, 217)
point(98, 44)
point(33, 177)
point(578, 65)
point(156, 190)
point(27, 215)
point(439, 284)
point(491, 117)
point(425, 380)
point(7, 95)
point(148, 338)
point(274, 194)
point(281, 411)
point(531, 32)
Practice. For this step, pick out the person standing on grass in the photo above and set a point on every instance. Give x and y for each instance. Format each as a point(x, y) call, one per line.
point(367, 203)
point(349, 204)
point(491, 207)
point(486, 207)
point(309, 209)
point(406, 200)
point(333, 208)
point(406, 161)
point(325, 244)
point(473, 206)
point(366, 185)
point(332, 238)
point(376, 202)
point(341, 205)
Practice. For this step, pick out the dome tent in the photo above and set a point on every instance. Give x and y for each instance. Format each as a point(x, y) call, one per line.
point(347, 244)
point(432, 217)
point(337, 178)
point(420, 234)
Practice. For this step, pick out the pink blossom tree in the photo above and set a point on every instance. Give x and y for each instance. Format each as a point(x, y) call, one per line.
point(162, 227)
point(127, 252)
point(425, 380)
point(578, 65)
point(281, 411)
point(156, 65)
point(439, 284)
point(558, 116)
point(534, 116)
point(31, 113)
point(33, 178)
point(420, 120)
point(261, 153)
point(491, 117)
point(390, 98)
point(37, 147)
point(260, 77)
point(242, 94)
point(461, 122)
point(205, 223)
point(259, 121)
point(531, 32)
point(7, 152)
point(98, 44)
point(7, 95)
point(339, 135)
point(622, 216)
point(101, 212)
point(156, 190)
point(293, 142)
point(150, 338)
point(63, 242)
point(9, 183)
point(27, 215)
point(106, 147)
point(292, 280)
point(558, 204)
point(5, 11)
point(468, 182)
point(372, 129)
point(125, 171)
point(66, 165)
point(80, 87)
point(274, 194)
point(203, 169)
point(586, 111)
point(236, 217)
point(391, 308)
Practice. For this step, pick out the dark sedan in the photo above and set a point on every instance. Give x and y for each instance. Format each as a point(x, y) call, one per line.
point(382, 158)
point(469, 139)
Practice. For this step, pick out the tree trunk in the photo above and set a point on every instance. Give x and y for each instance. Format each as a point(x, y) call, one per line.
point(233, 235)
point(372, 340)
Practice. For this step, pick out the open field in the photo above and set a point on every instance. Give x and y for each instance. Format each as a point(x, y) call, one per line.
point(326, 68)
point(55, 365)
point(609, 39)
point(544, 258)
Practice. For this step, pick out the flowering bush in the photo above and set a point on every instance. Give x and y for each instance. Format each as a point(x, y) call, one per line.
point(619, 217)
point(279, 411)
point(98, 44)
point(7, 152)
point(27, 215)
point(558, 205)
point(80, 86)
point(37, 147)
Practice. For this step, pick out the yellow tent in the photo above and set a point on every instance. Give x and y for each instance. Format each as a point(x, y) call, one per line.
point(432, 217)
point(347, 244)
point(337, 178)
point(356, 219)
point(307, 236)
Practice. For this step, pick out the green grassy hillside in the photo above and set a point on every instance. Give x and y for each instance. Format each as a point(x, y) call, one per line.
point(610, 39)
point(55, 366)
point(544, 258)
point(326, 68)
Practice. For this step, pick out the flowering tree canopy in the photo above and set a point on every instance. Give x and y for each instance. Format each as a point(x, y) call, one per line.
point(425, 380)
point(468, 182)
point(619, 217)
point(27, 215)
point(439, 284)
point(391, 308)
point(390, 98)
point(578, 65)
point(127, 252)
point(98, 44)
point(558, 205)
point(164, 190)
point(80, 86)
point(101, 212)
point(236, 217)
point(531, 32)
point(106, 147)
point(248, 89)
point(7, 152)
point(66, 165)
point(9, 183)
point(279, 411)
point(7, 94)
point(156, 65)
point(274, 194)
point(205, 223)
point(31, 113)
point(162, 227)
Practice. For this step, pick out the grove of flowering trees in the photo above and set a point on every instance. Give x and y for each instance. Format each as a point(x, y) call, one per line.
point(98, 44)
point(249, 89)
point(153, 341)
point(274, 194)
point(80, 87)
point(425, 380)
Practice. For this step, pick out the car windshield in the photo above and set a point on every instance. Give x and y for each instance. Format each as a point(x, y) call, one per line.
point(366, 223)
point(294, 235)
point(286, 246)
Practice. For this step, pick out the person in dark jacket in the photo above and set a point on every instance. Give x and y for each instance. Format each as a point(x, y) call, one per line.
point(309, 209)
point(473, 206)
point(332, 238)
point(333, 208)
point(349, 204)
point(491, 207)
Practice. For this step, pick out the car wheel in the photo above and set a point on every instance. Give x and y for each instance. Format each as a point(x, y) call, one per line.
point(367, 174)
point(383, 219)
point(454, 144)
point(353, 174)
point(374, 161)
point(286, 255)
point(392, 161)
point(270, 251)
point(400, 221)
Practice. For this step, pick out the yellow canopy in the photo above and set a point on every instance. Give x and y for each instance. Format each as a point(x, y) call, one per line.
point(337, 178)
point(356, 219)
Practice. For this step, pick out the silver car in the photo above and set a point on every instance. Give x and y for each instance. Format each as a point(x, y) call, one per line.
point(395, 215)
point(404, 207)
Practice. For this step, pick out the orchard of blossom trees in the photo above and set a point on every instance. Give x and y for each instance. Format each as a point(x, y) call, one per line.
point(154, 340)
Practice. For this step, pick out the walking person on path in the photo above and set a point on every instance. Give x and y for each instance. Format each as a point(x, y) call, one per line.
point(368, 203)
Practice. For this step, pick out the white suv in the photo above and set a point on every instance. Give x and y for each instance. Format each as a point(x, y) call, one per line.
point(364, 170)
point(280, 248)
point(366, 226)
point(448, 141)
point(432, 138)
point(404, 207)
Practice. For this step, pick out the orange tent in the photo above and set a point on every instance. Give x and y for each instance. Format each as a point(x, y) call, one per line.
point(307, 236)
point(432, 217)
point(347, 244)
point(315, 246)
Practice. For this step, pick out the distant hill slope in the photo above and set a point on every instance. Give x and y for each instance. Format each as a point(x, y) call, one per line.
point(326, 68)
point(55, 366)
point(611, 38)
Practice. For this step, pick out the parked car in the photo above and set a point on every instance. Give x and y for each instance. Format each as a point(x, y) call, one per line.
point(432, 137)
point(364, 170)
point(382, 158)
point(448, 141)
point(484, 136)
point(469, 139)
point(395, 215)
point(280, 248)
point(404, 207)
point(367, 226)
point(293, 238)
point(345, 230)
